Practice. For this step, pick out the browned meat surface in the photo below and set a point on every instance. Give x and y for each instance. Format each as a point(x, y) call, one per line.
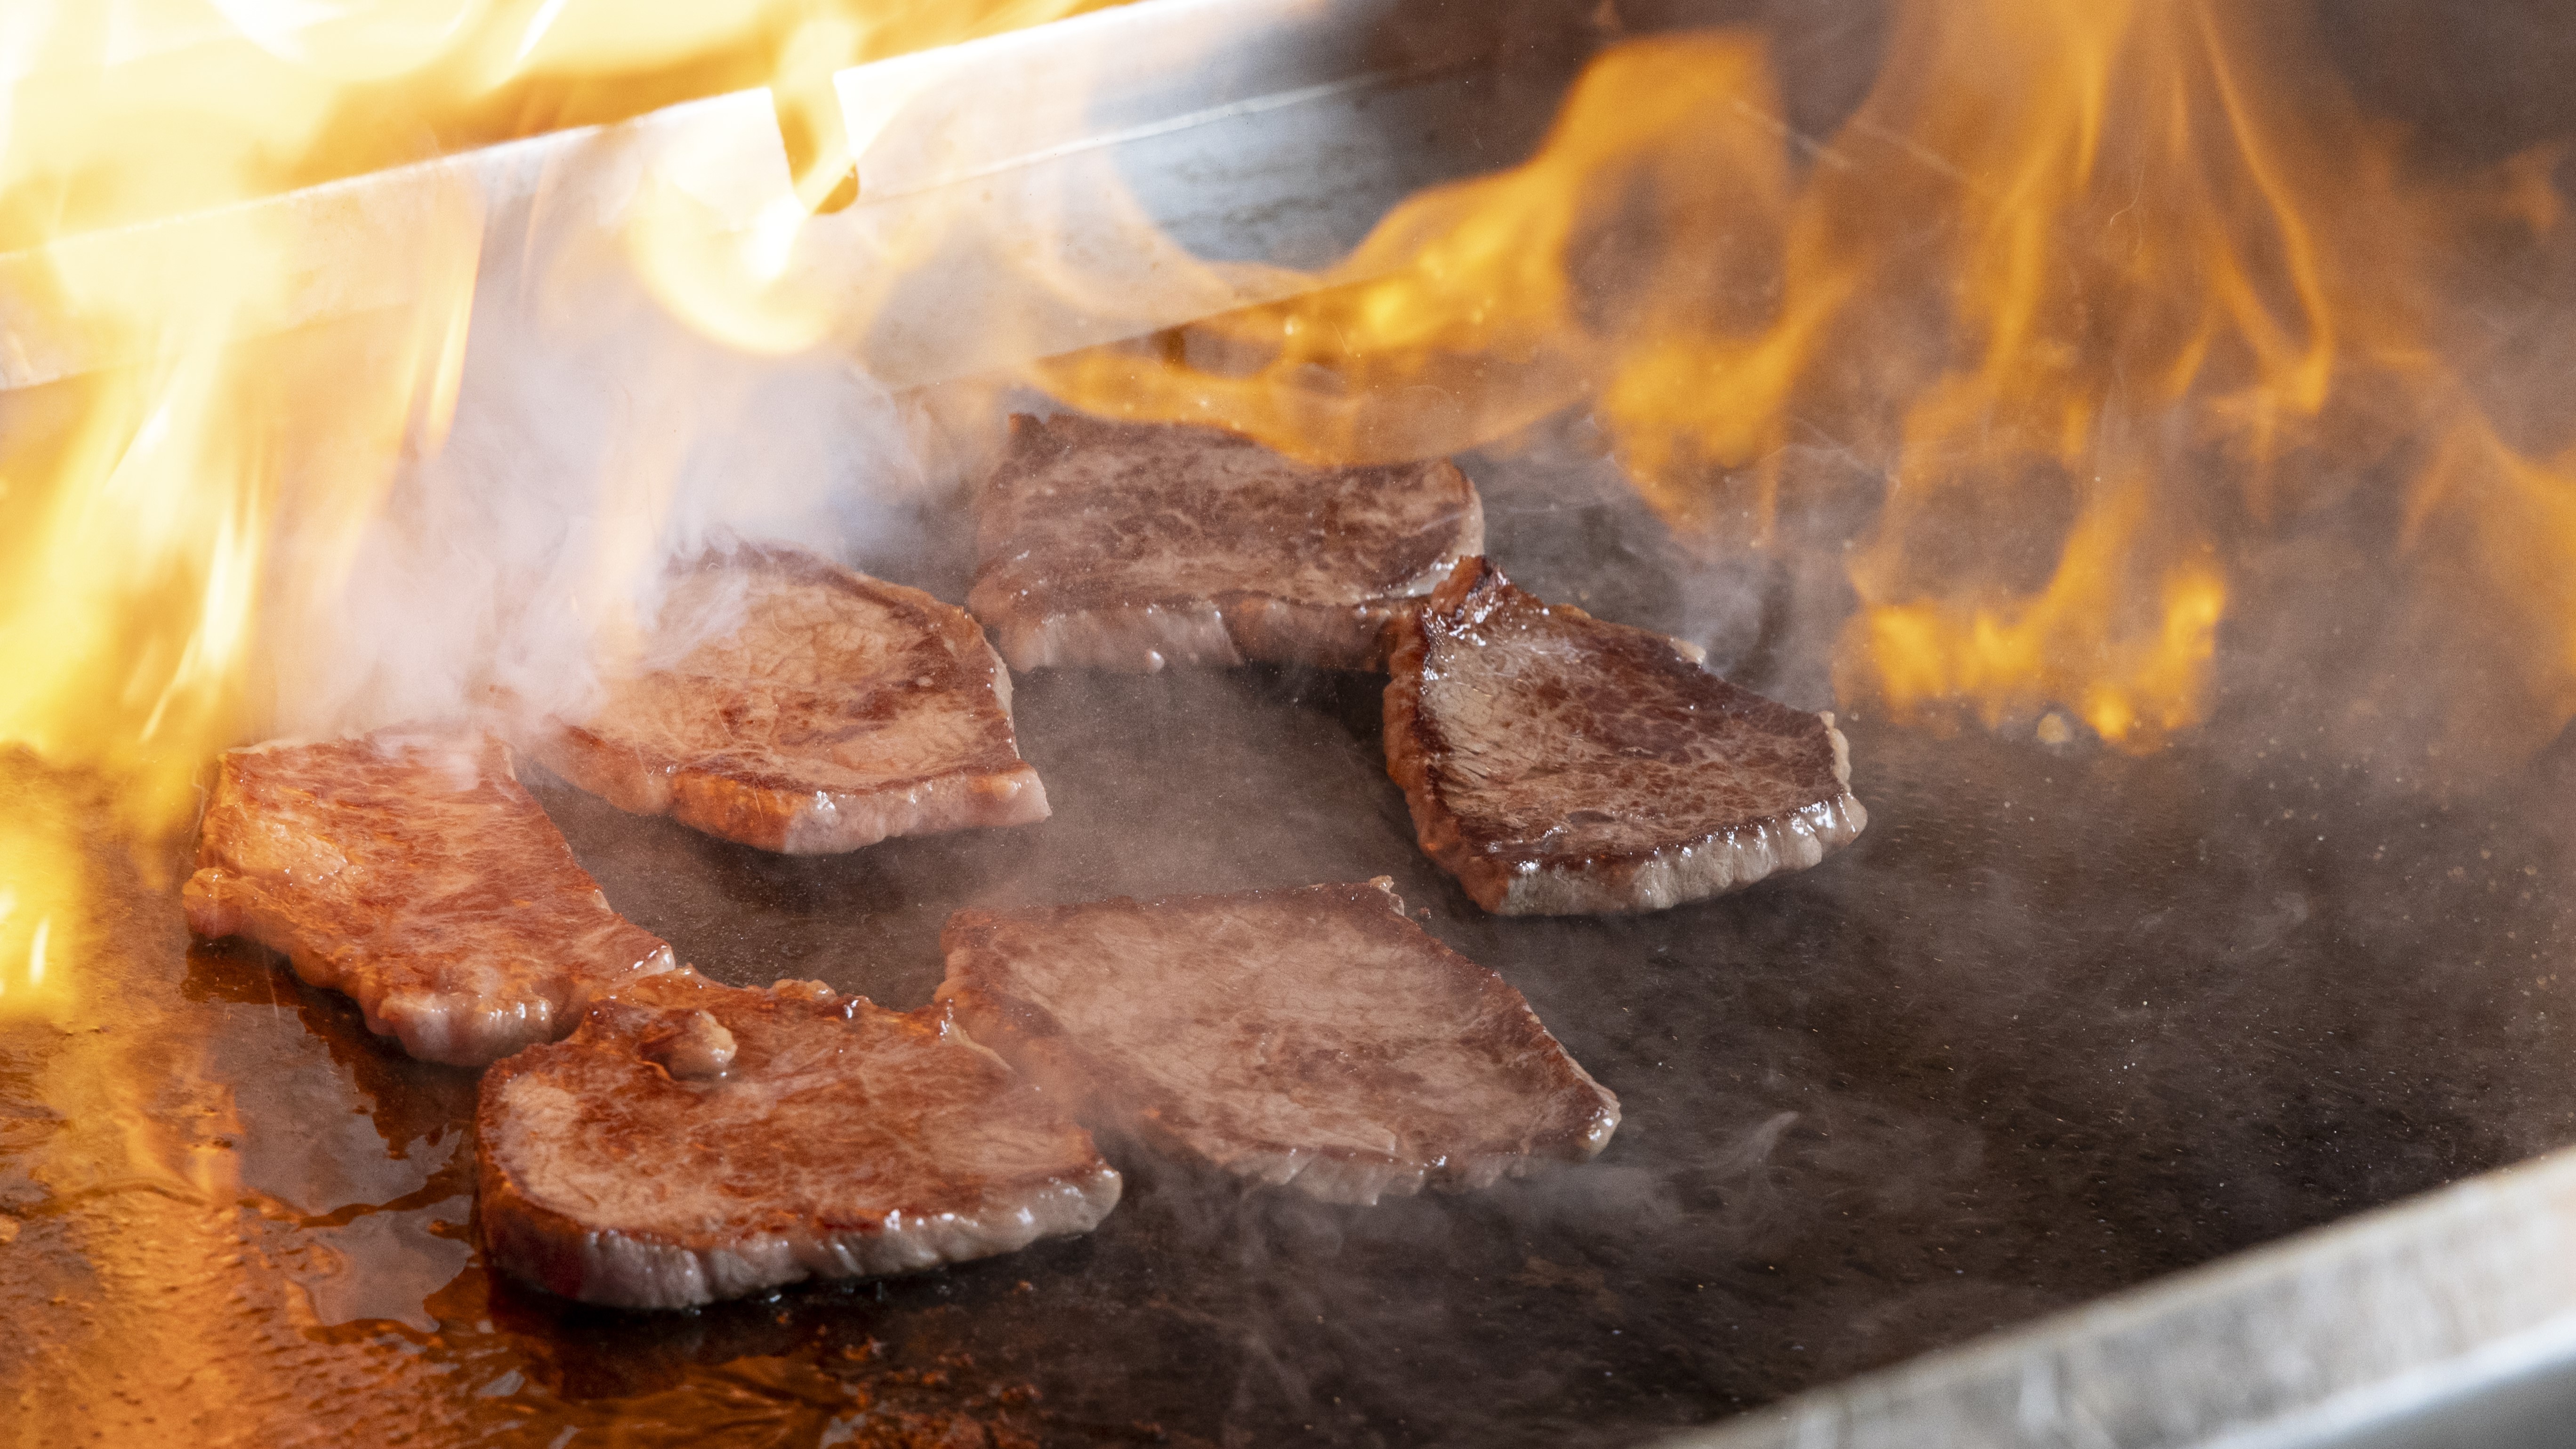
point(1310, 1037)
point(693, 1142)
point(800, 707)
point(1559, 765)
point(411, 871)
point(1127, 546)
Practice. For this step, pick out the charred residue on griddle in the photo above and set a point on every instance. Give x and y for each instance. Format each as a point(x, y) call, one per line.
point(2063, 1020)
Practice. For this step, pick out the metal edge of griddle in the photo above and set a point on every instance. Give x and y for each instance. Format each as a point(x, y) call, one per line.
point(919, 124)
point(1123, 204)
point(921, 121)
point(2446, 1320)
point(344, 242)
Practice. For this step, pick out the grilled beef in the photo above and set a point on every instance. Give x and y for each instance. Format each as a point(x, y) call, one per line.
point(1124, 546)
point(1559, 765)
point(1311, 1037)
point(411, 870)
point(800, 707)
point(693, 1142)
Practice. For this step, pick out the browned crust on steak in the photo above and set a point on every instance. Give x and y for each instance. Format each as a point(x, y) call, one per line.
point(838, 1140)
point(411, 871)
point(1131, 546)
point(1557, 764)
point(1313, 1037)
point(793, 734)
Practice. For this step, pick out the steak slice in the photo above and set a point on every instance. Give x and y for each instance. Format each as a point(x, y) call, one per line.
point(796, 706)
point(693, 1142)
point(1312, 1037)
point(1559, 765)
point(1132, 546)
point(410, 870)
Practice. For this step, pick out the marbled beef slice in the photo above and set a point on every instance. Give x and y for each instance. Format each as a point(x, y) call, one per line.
point(410, 870)
point(693, 1142)
point(1557, 764)
point(1313, 1037)
point(1131, 546)
point(790, 704)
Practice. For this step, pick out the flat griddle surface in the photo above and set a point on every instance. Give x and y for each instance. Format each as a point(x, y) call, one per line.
point(2062, 1021)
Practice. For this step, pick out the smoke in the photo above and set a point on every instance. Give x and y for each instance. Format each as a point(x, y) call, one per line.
point(2064, 1020)
point(596, 440)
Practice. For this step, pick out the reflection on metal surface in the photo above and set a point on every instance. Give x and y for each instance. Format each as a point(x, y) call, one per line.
point(2065, 1022)
point(1959, 1078)
point(41, 900)
point(1162, 126)
point(2392, 1329)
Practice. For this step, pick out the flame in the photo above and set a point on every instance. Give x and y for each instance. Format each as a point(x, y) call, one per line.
point(1462, 317)
point(2100, 289)
point(39, 924)
point(2015, 662)
point(159, 520)
point(2095, 291)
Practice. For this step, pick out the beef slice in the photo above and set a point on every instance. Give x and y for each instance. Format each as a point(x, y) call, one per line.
point(694, 1142)
point(410, 870)
point(796, 706)
point(1557, 764)
point(1313, 1037)
point(1132, 546)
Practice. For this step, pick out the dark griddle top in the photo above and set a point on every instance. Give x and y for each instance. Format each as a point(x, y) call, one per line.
point(2063, 1020)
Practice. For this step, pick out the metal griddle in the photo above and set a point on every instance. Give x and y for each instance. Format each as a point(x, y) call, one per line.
point(2064, 1021)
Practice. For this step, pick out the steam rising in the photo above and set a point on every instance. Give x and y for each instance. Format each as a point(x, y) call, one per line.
point(596, 441)
point(2065, 1020)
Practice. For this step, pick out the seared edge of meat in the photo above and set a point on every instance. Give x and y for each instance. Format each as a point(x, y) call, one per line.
point(1181, 1104)
point(1234, 628)
point(782, 816)
point(776, 809)
point(694, 1142)
point(411, 872)
point(1071, 582)
point(1558, 871)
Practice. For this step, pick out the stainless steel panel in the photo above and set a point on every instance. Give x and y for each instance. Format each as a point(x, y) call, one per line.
point(2449, 1320)
point(1115, 142)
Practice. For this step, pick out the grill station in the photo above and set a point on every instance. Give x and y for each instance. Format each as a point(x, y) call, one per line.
point(2197, 1096)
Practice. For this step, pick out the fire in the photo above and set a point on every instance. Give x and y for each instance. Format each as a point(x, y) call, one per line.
point(39, 893)
point(1464, 315)
point(2103, 292)
point(2099, 295)
point(159, 520)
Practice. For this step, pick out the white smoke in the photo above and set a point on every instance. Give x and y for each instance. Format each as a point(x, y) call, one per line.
point(596, 441)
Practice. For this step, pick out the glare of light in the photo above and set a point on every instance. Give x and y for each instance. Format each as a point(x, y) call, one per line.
point(773, 237)
point(538, 25)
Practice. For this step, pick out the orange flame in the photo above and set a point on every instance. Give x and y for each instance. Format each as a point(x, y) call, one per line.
point(145, 511)
point(1463, 316)
point(2099, 287)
